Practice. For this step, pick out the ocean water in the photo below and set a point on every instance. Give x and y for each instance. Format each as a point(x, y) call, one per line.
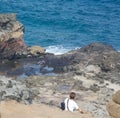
point(63, 25)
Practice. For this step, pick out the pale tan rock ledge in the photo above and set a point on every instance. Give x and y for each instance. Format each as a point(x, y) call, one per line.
point(113, 106)
point(12, 109)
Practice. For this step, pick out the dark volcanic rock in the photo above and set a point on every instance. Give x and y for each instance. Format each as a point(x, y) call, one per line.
point(96, 60)
point(97, 47)
point(105, 56)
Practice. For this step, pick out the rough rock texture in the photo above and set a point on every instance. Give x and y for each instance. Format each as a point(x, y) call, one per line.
point(93, 72)
point(36, 50)
point(15, 90)
point(99, 54)
point(96, 59)
point(12, 44)
point(116, 97)
point(10, 27)
point(11, 36)
point(52, 90)
point(113, 107)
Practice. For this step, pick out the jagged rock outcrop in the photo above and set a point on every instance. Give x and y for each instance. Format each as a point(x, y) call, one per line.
point(11, 36)
point(113, 107)
point(102, 55)
point(97, 61)
point(12, 44)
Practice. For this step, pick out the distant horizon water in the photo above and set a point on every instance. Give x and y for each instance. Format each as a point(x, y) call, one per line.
point(63, 25)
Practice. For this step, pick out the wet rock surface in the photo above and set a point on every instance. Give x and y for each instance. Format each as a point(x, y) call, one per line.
point(93, 71)
point(104, 56)
point(96, 60)
point(93, 76)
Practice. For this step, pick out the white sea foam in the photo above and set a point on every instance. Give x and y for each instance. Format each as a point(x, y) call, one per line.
point(57, 50)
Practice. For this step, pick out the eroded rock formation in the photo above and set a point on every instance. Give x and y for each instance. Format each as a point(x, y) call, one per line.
point(91, 70)
point(96, 59)
point(12, 44)
point(11, 36)
point(99, 54)
point(113, 107)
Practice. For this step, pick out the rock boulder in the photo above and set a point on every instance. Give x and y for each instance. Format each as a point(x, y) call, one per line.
point(116, 97)
point(113, 107)
point(36, 50)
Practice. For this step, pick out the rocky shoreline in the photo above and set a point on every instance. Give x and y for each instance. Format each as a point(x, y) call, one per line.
point(12, 45)
point(30, 75)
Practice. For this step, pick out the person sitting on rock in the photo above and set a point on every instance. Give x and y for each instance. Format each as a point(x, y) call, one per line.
point(70, 104)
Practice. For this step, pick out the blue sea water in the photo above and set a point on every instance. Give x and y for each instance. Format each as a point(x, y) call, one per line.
point(63, 25)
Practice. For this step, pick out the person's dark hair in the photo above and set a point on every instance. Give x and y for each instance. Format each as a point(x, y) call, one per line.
point(72, 95)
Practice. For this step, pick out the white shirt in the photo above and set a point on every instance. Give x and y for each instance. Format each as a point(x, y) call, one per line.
point(72, 105)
